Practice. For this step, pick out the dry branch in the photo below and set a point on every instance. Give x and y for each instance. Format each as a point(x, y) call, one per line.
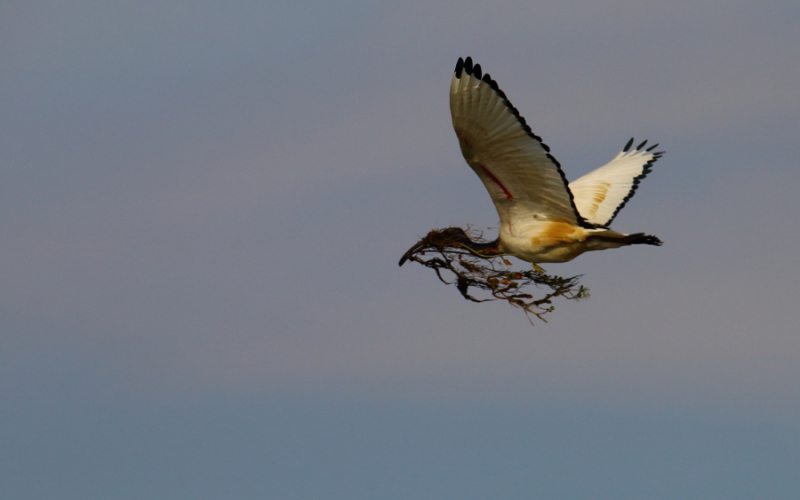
point(476, 264)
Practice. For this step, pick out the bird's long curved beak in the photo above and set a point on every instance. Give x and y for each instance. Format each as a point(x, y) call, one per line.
point(410, 251)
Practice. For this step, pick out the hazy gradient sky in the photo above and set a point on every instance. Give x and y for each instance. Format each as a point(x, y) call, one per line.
point(202, 206)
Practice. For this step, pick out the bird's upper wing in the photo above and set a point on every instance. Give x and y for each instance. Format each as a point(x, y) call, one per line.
point(601, 194)
point(522, 177)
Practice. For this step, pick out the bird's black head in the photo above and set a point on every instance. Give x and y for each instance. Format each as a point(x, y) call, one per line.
point(453, 237)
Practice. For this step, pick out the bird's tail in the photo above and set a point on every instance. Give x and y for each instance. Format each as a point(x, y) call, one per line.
point(642, 239)
point(628, 239)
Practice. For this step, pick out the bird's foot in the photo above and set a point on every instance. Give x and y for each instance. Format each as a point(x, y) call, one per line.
point(538, 268)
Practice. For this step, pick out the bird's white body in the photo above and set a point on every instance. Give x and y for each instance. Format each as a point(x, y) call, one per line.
point(555, 241)
point(542, 217)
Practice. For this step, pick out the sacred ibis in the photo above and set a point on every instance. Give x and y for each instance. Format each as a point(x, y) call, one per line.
point(543, 218)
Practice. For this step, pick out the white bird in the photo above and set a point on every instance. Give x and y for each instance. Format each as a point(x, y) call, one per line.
point(543, 218)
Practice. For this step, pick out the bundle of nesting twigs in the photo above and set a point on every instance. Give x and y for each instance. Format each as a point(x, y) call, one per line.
point(454, 250)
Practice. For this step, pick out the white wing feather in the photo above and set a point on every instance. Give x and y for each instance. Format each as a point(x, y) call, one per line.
point(599, 195)
point(523, 179)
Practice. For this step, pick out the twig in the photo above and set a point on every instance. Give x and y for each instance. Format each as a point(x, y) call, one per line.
point(476, 266)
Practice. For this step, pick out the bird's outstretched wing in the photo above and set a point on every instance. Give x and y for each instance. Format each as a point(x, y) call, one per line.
point(601, 194)
point(524, 180)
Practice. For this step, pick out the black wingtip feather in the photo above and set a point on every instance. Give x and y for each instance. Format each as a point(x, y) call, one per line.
point(476, 71)
point(459, 67)
point(646, 169)
point(627, 146)
point(557, 165)
point(468, 65)
point(654, 146)
point(640, 146)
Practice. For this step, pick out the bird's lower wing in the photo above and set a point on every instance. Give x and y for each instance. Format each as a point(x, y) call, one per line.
point(601, 194)
point(522, 177)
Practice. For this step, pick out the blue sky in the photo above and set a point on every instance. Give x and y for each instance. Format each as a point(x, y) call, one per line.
point(202, 207)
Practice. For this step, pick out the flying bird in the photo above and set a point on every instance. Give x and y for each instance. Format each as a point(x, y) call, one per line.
point(543, 218)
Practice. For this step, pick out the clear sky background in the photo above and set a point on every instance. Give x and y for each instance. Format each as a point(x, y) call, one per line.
point(202, 206)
